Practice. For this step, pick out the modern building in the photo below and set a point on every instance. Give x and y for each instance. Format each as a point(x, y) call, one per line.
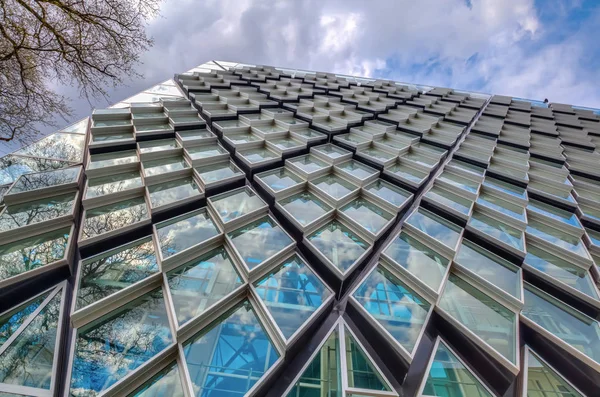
point(251, 230)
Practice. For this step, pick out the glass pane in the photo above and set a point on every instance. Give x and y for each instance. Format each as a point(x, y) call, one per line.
point(543, 381)
point(334, 186)
point(14, 318)
point(436, 227)
point(59, 146)
point(259, 241)
point(109, 348)
point(458, 181)
point(218, 172)
point(112, 159)
point(113, 184)
point(490, 267)
point(32, 212)
point(28, 254)
point(45, 179)
point(558, 238)
point(563, 271)
point(114, 216)
point(449, 377)
point(357, 169)
point(231, 356)
point(488, 319)
point(205, 151)
point(292, 293)
point(280, 179)
point(506, 187)
point(388, 192)
point(575, 329)
point(232, 205)
point(166, 383)
point(183, 232)
point(28, 360)
point(163, 166)
point(322, 376)
point(331, 151)
point(407, 173)
point(172, 191)
point(553, 212)
point(309, 163)
point(339, 244)
point(258, 155)
point(361, 372)
point(367, 215)
point(498, 230)
point(12, 167)
point(400, 310)
point(305, 207)
point(199, 284)
point(157, 145)
point(502, 206)
point(110, 272)
point(423, 262)
point(449, 199)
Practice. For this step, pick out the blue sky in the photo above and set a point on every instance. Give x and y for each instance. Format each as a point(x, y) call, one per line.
point(524, 48)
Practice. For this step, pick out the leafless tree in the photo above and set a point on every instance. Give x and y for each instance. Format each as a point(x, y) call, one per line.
point(45, 43)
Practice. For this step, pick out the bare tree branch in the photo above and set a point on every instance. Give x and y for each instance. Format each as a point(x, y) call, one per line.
point(88, 43)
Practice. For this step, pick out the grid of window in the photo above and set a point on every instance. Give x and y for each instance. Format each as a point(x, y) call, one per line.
point(220, 222)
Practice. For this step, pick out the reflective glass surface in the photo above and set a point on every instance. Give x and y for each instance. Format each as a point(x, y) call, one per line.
point(166, 383)
point(553, 212)
point(361, 372)
point(228, 358)
point(279, 179)
point(502, 206)
point(388, 192)
point(357, 169)
point(339, 244)
point(486, 318)
point(322, 376)
point(163, 166)
point(218, 172)
point(448, 377)
point(435, 226)
point(543, 381)
point(11, 320)
point(490, 267)
point(394, 305)
point(420, 260)
point(459, 181)
point(334, 186)
point(561, 270)
point(367, 215)
point(113, 184)
point(172, 191)
point(205, 151)
point(202, 282)
point(305, 207)
point(498, 230)
point(29, 359)
point(258, 155)
point(33, 212)
point(185, 231)
point(237, 203)
point(331, 151)
point(12, 167)
point(105, 274)
point(157, 145)
point(33, 252)
point(109, 348)
point(111, 159)
point(376, 154)
point(259, 241)
point(558, 238)
point(292, 293)
point(59, 146)
point(308, 163)
point(506, 187)
point(113, 216)
point(449, 199)
point(45, 180)
point(574, 328)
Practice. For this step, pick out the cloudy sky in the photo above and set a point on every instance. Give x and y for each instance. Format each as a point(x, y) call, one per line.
point(525, 48)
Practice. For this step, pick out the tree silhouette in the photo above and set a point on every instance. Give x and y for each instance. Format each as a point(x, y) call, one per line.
point(45, 42)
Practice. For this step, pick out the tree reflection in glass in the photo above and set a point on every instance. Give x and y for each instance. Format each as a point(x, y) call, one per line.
point(114, 216)
point(36, 211)
point(28, 360)
point(166, 383)
point(13, 319)
point(109, 348)
point(45, 179)
point(231, 356)
point(28, 254)
point(108, 273)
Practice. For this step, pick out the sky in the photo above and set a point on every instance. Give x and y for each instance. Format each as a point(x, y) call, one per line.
point(523, 48)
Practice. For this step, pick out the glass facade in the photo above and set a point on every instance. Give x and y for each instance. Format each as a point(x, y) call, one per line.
point(253, 230)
